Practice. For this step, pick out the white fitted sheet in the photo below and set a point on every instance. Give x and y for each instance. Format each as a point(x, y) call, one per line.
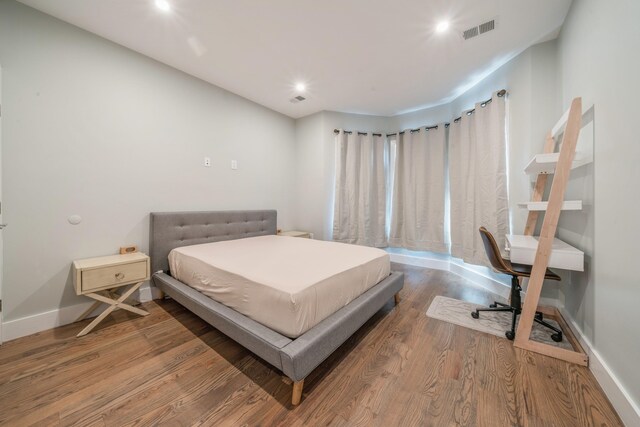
point(288, 284)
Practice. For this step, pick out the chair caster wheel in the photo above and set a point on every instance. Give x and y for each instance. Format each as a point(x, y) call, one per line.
point(475, 315)
point(539, 316)
point(510, 335)
point(556, 337)
point(492, 305)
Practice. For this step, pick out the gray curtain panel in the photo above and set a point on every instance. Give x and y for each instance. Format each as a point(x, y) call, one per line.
point(418, 206)
point(360, 193)
point(478, 180)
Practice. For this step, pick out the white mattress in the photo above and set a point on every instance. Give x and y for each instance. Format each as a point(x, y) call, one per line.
point(288, 284)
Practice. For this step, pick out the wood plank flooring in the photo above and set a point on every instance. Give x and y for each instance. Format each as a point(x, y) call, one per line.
point(400, 369)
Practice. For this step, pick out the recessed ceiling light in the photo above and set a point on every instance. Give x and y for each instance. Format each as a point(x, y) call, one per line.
point(301, 87)
point(442, 26)
point(163, 5)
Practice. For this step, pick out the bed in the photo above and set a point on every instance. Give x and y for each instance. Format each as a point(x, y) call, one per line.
point(292, 346)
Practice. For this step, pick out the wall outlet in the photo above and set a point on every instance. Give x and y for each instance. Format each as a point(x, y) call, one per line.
point(207, 162)
point(234, 164)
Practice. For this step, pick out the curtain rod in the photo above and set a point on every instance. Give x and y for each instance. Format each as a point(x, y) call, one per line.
point(500, 94)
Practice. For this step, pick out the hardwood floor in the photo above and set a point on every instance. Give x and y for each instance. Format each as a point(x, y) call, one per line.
point(401, 368)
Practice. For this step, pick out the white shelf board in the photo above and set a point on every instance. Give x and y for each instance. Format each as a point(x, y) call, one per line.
point(546, 163)
point(523, 250)
point(568, 205)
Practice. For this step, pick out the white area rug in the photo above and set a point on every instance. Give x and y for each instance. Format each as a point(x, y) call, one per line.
point(497, 323)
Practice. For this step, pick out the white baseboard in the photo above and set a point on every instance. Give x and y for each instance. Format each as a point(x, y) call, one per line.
point(29, 325)
point(148, 293)
point(457, 268)
point(627, 409)
point(17, 328)
point(624, 405)
point(463, 270)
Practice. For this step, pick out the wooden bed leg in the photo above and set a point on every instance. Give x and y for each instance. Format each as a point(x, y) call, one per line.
point(297, 392)
point(396, 298)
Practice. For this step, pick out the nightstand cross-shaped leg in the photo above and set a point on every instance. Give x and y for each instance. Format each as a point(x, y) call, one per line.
point(113, 305)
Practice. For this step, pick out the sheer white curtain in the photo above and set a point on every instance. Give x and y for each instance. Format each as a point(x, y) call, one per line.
point(478, 180)
point(361, 187)
point(418, 202)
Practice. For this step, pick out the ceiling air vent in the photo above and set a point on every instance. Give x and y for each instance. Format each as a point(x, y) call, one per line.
point(487, 26)
point(471, 32)
point(480, 29)
point(297, 99)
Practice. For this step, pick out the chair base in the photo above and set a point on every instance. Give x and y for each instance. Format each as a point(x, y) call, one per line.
point(516, 308)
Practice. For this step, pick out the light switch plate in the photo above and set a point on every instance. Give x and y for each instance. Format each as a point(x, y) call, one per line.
point(234, 164)
point(207, 162)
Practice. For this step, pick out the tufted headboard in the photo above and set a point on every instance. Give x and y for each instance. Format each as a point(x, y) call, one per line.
point(170, 230)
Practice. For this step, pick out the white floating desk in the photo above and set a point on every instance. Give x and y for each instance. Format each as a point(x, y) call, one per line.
point(569, 205)
point(522, 250)
point(546, 163)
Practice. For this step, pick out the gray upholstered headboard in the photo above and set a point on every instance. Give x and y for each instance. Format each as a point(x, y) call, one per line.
point(170, 230)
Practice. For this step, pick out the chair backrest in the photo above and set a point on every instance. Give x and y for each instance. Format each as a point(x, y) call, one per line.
point(493, 251)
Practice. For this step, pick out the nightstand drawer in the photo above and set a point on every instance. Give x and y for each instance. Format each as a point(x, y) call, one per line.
point(112, 276)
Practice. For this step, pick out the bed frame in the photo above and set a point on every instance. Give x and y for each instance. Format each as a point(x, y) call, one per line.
point(296, 358)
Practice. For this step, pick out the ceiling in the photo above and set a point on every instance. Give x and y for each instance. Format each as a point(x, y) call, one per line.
point(359, 56)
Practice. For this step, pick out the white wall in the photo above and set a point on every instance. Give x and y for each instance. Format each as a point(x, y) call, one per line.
point(595, 58)
point(419, 118)
point(1, 221)
point(599, 61)
point(535, 66)
point(312, 180)
point(94, 129)
point(315, 161)
point(91, 128)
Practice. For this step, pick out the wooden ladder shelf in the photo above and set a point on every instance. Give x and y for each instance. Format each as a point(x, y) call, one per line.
point(563, 165)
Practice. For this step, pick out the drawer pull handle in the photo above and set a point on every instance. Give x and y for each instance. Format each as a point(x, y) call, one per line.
point(119, 276)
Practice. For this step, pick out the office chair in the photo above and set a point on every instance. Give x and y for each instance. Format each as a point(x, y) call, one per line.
point(515, 270)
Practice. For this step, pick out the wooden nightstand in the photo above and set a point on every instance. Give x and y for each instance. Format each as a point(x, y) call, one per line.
point(294, 233)
point(98, 278)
